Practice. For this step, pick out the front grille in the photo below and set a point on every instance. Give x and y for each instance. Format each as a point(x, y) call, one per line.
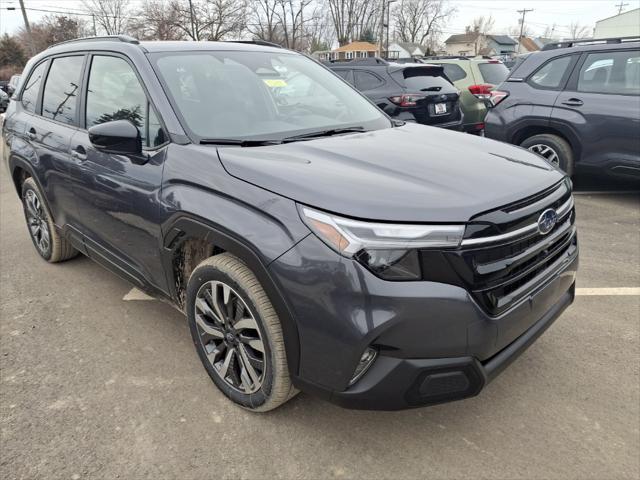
point(500, 270)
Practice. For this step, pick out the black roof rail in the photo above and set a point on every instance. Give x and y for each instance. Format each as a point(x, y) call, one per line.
point(589, 41)
point(114, 38)
point(256, 42)
point(446, 57)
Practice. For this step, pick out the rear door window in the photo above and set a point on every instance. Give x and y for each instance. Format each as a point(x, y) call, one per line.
point(367, 80)
point(552, 73)
point(493, 73)
point(62, 88)
point(611, 72)
point(32, 88)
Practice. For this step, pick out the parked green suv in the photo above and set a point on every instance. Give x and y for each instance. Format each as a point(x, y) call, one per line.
point(475, 78)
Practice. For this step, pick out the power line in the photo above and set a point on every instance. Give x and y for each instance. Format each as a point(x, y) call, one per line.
point(620, 6)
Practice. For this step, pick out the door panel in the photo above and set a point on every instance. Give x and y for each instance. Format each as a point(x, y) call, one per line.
point(119, 202)
point(601, 104)
point(118, 196)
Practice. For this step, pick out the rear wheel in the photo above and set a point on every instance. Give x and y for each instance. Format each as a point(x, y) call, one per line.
point(48, 242)
point(554, 149)
point(237, 334)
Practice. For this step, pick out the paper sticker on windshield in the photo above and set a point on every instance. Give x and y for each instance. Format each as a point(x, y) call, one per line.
point(275, 82)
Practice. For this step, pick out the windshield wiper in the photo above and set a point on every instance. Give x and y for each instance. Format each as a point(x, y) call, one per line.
point(323, 133)
point(431, 89)
point(238, 142)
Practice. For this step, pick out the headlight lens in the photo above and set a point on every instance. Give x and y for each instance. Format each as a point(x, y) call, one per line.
point(387, 249)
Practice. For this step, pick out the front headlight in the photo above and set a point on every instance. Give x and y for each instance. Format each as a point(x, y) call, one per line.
point(388, 249)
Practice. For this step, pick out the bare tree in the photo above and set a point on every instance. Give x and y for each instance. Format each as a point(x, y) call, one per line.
point(265, 21)
point(481, 26)
point(419, 20)
point(111, 15)
point(155, 20)
point(551, 31)
point(578, 31)
point(53, 29)
point(351, 18)
point(209, 19)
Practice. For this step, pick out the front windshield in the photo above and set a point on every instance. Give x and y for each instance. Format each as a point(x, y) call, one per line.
point(261, 95)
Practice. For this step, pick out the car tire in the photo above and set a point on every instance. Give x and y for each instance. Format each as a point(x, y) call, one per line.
point(51, 246)
point(248, 341)
point(556, 150)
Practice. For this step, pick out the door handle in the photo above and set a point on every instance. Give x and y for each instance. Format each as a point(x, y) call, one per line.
point(573, 102)
point(79, 153)
point(32, 133)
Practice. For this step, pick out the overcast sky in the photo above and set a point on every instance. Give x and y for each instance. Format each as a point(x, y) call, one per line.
point(545, 12)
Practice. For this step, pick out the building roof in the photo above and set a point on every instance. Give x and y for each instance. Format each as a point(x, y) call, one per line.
point(409, 46)
point(529, 44)
point(503, 39)
point(635, 11)
point(463, 38)
point(357, 47)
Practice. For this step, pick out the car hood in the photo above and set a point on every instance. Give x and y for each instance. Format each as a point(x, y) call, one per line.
point(412, 173)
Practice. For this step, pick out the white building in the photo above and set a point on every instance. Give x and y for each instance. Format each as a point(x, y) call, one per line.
point(627, 24)
point(406, 50)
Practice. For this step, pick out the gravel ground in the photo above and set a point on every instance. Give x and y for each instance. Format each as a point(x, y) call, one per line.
point(95, 386)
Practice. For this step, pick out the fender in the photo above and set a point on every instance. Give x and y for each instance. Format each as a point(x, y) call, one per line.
point(16, 161)
point(182, 226)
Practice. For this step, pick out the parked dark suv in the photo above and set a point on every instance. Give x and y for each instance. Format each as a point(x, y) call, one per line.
point(414, 92)
point(312, 243)
point(577, 104)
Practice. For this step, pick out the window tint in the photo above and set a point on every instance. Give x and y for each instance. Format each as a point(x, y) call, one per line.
point(551, 74)
point(343, 73)
point(454, 72)
point(493, 73)
point(366, 80)
point(62, 88)
point(612, 72)
point(115, 93)
point(32, 87)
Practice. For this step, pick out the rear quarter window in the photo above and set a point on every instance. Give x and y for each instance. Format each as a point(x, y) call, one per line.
point(454, 72)
point(493, 73)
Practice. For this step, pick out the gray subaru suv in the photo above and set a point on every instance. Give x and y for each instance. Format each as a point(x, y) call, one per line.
point(313, 243)
point(577, 104)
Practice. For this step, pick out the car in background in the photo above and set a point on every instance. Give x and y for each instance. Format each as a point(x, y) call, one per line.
point(575, 103)
point(4, 101)
point(475, 77)
point(13, 84)
point(4, 85)
point(411, 92)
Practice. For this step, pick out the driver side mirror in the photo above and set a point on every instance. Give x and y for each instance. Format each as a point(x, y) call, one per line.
point(118, 136)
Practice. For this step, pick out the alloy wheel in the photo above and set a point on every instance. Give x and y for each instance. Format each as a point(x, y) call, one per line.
point(229, 334)
point(546, 152)
point(37, 222)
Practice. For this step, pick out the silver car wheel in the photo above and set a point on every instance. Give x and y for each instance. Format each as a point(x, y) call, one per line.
point(229, 334)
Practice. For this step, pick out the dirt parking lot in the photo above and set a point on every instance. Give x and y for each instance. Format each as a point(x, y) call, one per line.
point(95, 384)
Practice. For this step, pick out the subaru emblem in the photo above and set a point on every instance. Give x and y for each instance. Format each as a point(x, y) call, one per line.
point(547, 221)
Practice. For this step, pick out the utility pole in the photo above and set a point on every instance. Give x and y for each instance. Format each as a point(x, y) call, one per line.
point(381, 35)
point(523, 12)
point(193, 28)
point(620, 6)
point(389, 2)
point(27, 27)
point(95, 32)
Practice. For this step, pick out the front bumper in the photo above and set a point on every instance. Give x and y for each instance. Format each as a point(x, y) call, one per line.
point(429, 335)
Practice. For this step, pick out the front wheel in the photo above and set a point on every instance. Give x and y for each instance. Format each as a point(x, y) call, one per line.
point(237, 334)
point(554, 149)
